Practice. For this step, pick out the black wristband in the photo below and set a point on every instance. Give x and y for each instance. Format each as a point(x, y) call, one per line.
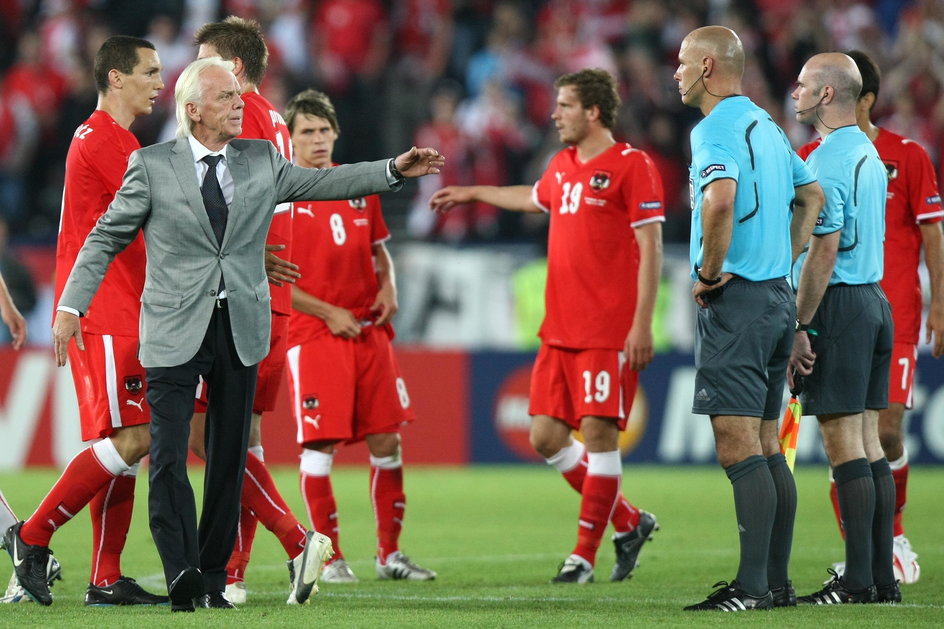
point(706, 281)
point(396, 171)
point(802, 327)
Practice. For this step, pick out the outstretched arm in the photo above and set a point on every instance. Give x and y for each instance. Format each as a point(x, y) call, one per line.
point(418, 162)
point(514, 198)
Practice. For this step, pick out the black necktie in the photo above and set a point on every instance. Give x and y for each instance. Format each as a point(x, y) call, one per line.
point(213, 198)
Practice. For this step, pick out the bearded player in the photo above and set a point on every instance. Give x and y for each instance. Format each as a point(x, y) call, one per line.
point(604, 261)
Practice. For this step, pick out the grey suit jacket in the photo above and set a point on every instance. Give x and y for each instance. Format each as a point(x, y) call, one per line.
point(160, 195)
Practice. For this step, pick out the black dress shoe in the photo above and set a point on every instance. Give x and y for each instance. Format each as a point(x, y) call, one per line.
point(214, 600)
point(187, 586)
point(186, 606)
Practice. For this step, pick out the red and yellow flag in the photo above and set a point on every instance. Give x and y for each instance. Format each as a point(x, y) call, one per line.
point(790, 430)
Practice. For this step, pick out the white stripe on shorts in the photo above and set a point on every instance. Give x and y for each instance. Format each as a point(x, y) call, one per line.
point(111, 383)
point(623, 411)
point(291, 359)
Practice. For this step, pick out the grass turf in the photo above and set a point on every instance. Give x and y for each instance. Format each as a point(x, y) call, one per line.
point(496, 535)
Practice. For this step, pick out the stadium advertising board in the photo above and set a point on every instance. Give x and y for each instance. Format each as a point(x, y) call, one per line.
point(472, 407)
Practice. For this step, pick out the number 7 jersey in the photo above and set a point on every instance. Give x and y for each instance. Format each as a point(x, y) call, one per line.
point(593, 258)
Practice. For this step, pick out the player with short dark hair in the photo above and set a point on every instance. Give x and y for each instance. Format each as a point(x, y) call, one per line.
point(744, 180)
point(605, 204)
point(242, 42)
point(108, 377)
point(846, 369)
point(345, 381)
point(913, 217)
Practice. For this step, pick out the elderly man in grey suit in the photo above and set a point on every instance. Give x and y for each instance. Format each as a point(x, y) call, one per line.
point(204, 202)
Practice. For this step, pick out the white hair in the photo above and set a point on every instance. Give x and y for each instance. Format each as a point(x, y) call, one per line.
point(187, 90)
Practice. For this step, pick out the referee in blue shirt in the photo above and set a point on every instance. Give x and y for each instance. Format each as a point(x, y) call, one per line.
point(847, 372)
point(744, 179)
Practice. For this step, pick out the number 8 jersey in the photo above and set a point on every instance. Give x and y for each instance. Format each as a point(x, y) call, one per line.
point(333, 248)
point(593, 258)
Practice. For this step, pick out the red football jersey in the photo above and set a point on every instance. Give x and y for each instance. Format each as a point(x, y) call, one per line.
point(261, 121)
point(593, 258)
point(333, 250)
point(96, 163)
point(913, 199)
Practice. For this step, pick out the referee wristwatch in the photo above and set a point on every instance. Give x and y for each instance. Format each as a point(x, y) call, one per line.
point(704, 280)
point(802, 327)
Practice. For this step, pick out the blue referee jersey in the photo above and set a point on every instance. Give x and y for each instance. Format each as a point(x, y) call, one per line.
point(738, 140)
point(855, 183)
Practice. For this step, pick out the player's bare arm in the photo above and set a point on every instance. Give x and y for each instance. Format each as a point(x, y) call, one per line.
point(513, 198)
point(814, 278)
point(386, 302)
point(12, 317)
point(933, 239)
point(278, 270)
point(340, 321)
point(64, 328)
point(418, 162)
point(639, 347)
point(807, 204)
point(717, 220)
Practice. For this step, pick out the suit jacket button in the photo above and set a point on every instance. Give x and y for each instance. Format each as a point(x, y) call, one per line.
point(211, 293)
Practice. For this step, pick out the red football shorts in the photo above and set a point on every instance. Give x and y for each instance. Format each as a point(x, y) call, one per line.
point(110, 384)
point(901, 377)
point(569, 384)
point(271, 371)
point(345, 389)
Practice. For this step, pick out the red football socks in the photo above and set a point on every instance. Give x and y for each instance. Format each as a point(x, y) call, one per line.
point(322, 508)
point(111, 510)
point(81, 480)
point(261, 496)
point(386, 494)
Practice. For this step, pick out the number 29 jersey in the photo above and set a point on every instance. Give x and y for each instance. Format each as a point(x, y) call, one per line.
point(593, 257)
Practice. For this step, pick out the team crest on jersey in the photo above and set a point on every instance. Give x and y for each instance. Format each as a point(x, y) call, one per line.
point(600, 181)
point(892, 169)
point(134, 384)
point(358, 204)
point(310, 402)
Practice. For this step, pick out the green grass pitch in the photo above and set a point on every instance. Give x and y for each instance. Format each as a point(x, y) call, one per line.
point(496, 535)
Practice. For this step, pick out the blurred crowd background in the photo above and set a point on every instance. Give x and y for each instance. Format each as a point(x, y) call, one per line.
point(470, 77)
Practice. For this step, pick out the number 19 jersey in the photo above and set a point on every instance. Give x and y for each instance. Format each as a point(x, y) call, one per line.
point(593, 257)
